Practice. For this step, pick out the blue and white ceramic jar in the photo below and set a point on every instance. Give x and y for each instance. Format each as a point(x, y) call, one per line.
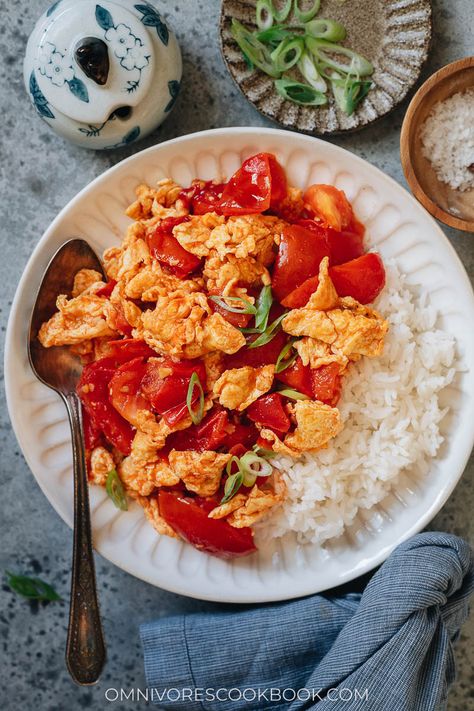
point(102, 73)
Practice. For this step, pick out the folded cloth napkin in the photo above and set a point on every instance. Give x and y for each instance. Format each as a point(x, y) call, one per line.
point(389, 649)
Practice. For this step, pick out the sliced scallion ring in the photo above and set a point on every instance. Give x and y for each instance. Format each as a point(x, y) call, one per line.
point(282, 361)
point(232, 485)
point(253, 464)
point(326, 53)
point(269, 333)
point(299, 93)
point(264, 304)
point(282, 14)
point(115, 490)
point(274, 35)
point(196, 416)
point(264, 11)
point(262, 452)
point(255, 51)
point(306, 15)
point(349, 92)
point(288, 53)
point(293, 394)
point(329, 30)
point(311, 73)
point(245, 306)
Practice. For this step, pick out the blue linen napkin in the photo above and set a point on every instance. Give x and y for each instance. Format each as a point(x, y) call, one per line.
point(389, 649)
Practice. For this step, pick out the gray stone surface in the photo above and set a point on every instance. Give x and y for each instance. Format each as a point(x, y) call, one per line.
point(40, 173)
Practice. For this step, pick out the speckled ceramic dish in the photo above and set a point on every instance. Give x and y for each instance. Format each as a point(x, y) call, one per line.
point(394, 35)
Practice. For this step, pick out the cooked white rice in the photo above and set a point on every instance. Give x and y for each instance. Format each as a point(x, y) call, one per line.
point(391, 415)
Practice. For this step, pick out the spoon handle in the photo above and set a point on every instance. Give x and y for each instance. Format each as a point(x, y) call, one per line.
point(85, 651)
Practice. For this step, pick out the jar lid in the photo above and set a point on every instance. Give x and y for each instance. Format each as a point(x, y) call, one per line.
point(93, 59)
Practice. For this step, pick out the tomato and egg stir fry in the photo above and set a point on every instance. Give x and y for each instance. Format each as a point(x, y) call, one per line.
point(220, 339)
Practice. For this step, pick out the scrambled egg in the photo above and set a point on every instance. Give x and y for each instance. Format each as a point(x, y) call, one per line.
point(348, 327)
point(84, 280)
point(152, 282)
point(102, 462)
point(161, 201)
point(243, 236)
point(258, 504)
point(223, 274)
point(317, 353)
point(237, 388)
point(182, 325)
point(144, 470)
point(316, 424)
point(200, 471)
point(78, 319)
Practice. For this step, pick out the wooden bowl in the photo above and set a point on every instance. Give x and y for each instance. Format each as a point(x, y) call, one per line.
point(453, 207)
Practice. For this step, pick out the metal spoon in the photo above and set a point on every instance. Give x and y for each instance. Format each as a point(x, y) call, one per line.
point(60, 370)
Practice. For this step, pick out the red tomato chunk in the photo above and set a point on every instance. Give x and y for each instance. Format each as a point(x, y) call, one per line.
point(326, 383)
point(268, 411)
point(189, 518)
point(299, 256)
point(258, 183)
point(298, 377)
point(93, 390)
point(167, 250)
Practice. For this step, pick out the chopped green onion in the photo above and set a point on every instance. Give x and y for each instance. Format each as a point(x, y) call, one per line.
point(232, 485)
point(264, 304)
point(287, 54)
point(245, 308)
point(325, 51)
point(311, 73)
point(255, 51)
point(293, 394)
point(253, 466)
point(115, 490)
point(349, 92)
point(194, 382)
point(300, 93)
point(274, 35)
point(31, 588)
point(330, 30)
point(282, 14)
point(264, 12)
point(306, 15)
point(268, 453)
point(269, 333)
point(282, 361)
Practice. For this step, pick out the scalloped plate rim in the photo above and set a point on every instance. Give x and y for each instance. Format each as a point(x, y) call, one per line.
point(111, 551)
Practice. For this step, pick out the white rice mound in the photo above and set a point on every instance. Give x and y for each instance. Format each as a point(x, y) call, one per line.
point(391, 417)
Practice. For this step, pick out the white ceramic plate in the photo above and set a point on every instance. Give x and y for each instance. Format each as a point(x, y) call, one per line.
point(397, 225)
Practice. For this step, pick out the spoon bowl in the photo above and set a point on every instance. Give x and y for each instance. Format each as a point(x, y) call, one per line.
point(60, 370)
point(450, 206)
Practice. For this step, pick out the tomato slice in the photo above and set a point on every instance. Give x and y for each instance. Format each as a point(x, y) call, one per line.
point(92, 433)
point(298, 377)
point(237, 320)
point(299, 255)
point(241, 435)
point(343, 246)
point(268, 411)
point(93, 390)
point(107, 289)
point(258, 183)
point(125, 389)
point(167, 250)
point(208, 435)
point(200, 199)
point(126, 349)
point(257, 357)
point(189, 518)
point(300, 296)
point(330, 204)
point(362, 278)
point(327, 382)
point(167, 393)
